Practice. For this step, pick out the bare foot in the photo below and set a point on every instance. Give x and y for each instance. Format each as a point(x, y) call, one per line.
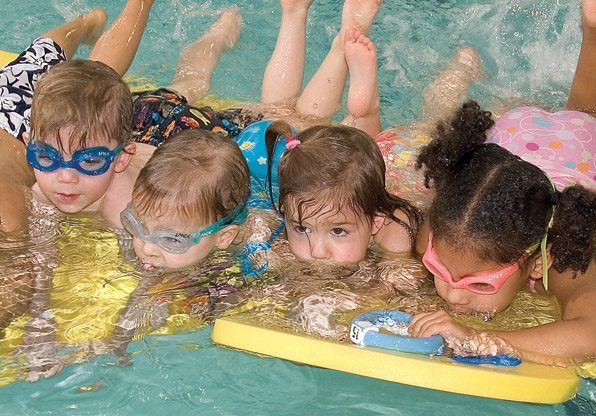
point(293, 6)
point(449, 89)
point(361, 57)
point(92, 25)
point(198, 60)
point(227, 27)
point(359, 14)
point(470, 61)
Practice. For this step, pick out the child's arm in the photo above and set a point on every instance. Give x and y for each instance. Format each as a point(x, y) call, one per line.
point(581, 96)
point(40, 343)
point(568, 341)
point(13, 208)
point(15, 176)
point(137, 311)
point(574, 337)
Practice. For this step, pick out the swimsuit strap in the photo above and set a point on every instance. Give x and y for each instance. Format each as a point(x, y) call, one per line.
point(408, 228)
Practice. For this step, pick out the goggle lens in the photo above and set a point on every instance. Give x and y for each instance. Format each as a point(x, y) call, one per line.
point(92, 161)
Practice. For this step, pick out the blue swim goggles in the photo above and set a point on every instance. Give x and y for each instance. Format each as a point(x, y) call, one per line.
point(91, 161)
point(174, 242)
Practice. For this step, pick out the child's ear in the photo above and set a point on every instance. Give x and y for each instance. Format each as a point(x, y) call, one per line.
point(26, 138)
point(226, 236)
point(125, 156)
point(536, 265)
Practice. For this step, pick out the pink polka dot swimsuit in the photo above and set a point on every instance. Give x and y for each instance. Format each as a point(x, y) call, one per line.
point(562, 144)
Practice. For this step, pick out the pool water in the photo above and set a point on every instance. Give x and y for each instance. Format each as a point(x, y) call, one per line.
point(529, 49)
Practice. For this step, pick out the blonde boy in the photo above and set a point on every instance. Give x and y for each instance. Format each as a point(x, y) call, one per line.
point(80, 145)
point(188, 200)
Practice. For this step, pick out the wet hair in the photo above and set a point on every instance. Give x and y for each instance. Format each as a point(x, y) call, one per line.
point(497, 205)
point(196, 176)
point(81, 103)
point(333, 169)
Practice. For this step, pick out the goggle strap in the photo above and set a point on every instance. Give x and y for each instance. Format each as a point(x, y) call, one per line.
point(544, 240)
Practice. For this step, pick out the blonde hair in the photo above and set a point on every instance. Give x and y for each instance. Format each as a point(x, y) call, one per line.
point(335, 168)
point(197, 176)
point(86, 100)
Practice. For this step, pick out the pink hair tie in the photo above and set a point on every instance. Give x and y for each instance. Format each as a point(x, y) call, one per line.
point(292, 142)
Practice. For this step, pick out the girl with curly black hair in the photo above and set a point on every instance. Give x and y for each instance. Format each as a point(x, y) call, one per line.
point(497, 224)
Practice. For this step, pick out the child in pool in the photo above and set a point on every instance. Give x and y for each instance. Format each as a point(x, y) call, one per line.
point(14, 107)
point(116, 47)
point(323, 170)
point(332, 194)
point(484, 196)
point(535, 203)
point(187, 200)
point(50, 48)
point(21, 77)
point(186, 203)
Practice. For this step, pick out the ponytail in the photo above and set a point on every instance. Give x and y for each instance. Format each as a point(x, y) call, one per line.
point(274, 132)
point(454, 144)
point(573, 232)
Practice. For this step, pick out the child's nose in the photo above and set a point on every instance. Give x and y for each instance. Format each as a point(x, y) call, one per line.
point(147, 249)
point(457, 297)
point(68, 175)
point(319, 249)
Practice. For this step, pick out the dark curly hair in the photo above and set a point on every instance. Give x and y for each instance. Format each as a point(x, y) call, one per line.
point(497, 205)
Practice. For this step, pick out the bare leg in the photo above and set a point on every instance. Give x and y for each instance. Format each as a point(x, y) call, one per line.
point(285, 71)
point(118, 45)
point(322, 95)
point(363, 94)
point(449, 89)
point(84, 29)
point(198, 60)
point(582, 96)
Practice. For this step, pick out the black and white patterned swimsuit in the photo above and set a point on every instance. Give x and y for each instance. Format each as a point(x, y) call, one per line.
point(18, 80)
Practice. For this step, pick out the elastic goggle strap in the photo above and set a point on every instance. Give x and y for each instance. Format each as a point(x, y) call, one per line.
point(543, 253)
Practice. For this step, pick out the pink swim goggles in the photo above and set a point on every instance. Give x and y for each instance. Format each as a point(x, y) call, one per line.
point(484, 283)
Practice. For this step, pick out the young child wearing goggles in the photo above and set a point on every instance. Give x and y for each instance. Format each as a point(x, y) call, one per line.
point(196, 180)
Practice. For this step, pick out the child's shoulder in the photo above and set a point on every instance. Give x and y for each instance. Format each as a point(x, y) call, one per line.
point(395, 236)
point(117, 197)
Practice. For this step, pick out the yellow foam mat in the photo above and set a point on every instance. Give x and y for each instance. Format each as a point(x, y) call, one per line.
point(6, 57)
point(527, 382)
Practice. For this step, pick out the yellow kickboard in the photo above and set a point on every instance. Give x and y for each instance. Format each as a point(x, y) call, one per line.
point(6, 57)
point(527, 382)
